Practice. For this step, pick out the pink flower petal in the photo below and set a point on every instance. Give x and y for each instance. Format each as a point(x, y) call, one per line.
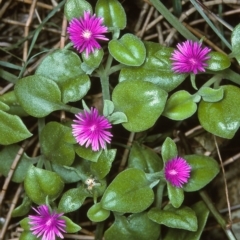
point(47, 225)
point(90, 128)
point(177, 171)
point(190, 57)
point(85, 31)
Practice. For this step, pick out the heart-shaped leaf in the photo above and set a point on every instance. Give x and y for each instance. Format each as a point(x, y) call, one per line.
point(221, 118)
point(176, 195)
point(12, 129)
point(23, 209)
point(72, 199)
point(7, 156)
point(211, 95)
point(180, 106)
point(169, 150)
point(142, 102)
point(235, 39)
point(87, 153)
point(155, 69)
point(181, 218)
point(218, 61)
point(124, 192)
point(27, 235)
point(76, 8)
point(97, 214)
point(40, 183)
point(64, 67)
point(128, 50)
point(71, 227)
point(103, 166)
point(68, 174)
point(144, 158)
point(54, 145)
point(136, 226)
point(112, 12)
point(203, 170)
point(38, 95)
point(202, 215)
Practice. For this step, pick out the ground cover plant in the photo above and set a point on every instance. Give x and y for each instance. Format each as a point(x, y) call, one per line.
point(98, 132)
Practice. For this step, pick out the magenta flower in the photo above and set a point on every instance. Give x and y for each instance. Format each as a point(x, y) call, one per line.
point(92, 129)
point(46, 224)
point(177, 171)
point(190, 57)
point(85, 31)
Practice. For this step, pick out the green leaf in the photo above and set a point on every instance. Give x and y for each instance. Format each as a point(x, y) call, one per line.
point(112, 12)
point(71, 227)
point(13, 129)
point(136, 226)
point(4, 107)
point(156, 68)
point(23, 209)
point(26, 235)
point(218, 61)
point(7, 156)
point(102, 167)
point(108, 108)
point(124, 192)
point(202, 215)
point(54, 145)
point(76, 8)
point(97, 214)
point(128, 50)
point(176, 195)
point(180, 106)
point(142, 102)
point(94, 59)
point(63, 67)
point(24, 223)
point(235, 40)
point(221, 118)
point(144, 158)
point(40, 183)
point(72, 199)
point(67, 174)
point(169, 150)
point(118, 117)
point(87, 153)
point(38, 95)
point(181, 218)
point(211, 95)
point(10, 104)
point(204, 169)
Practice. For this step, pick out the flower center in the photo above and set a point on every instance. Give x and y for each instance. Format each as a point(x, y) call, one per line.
point(93, 128)
point(49, 222)
point(193, 61)
point(173, 172)
point(87, 34)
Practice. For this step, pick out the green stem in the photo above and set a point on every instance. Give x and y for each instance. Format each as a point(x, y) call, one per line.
point(231, 75)
point(40, 162)
point(115, 68)
point(217, 215)
point(104, 79)
point(173, 20)
point(109, 63)
point(159, 194)
point(41, 125)
point(99, 231)
point(47, 165)
point(212, 80)
point(71, 109)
